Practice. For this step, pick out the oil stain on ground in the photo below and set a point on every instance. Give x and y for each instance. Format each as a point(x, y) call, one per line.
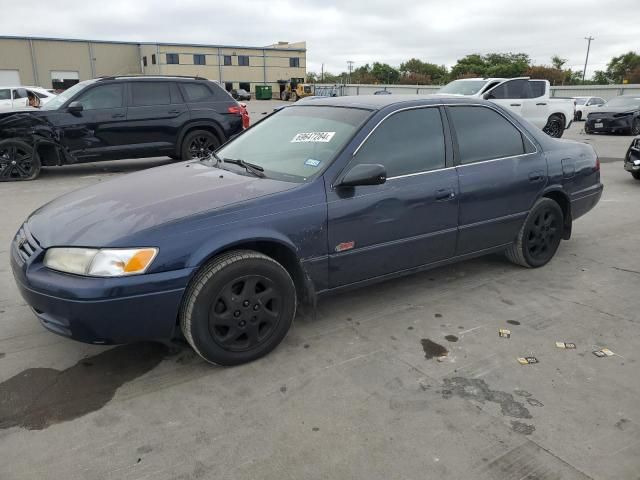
point(432, 349)
point(478, 390)
point(451, 338)
point(40, 397)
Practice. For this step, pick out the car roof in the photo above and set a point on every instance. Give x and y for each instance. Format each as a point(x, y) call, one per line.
point(378, 102)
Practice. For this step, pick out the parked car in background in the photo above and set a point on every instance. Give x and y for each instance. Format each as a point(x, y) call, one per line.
point(240, 94)
point(112, 118)
point(526, 97)
point(20, 97)
point(382, 92)
point(619, 115)
point(586, 105)
point(317, 198)
point(632, 159)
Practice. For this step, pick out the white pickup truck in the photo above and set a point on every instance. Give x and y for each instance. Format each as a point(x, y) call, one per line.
point(528, 98)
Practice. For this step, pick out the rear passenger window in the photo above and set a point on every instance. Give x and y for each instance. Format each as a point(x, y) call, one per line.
point(409, 141)
point(511, 89)
point(537, 88)
point(484, 134)
point(150, 93)
point(196, 92)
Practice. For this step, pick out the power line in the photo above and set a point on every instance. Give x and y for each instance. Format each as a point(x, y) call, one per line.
point(584, 72)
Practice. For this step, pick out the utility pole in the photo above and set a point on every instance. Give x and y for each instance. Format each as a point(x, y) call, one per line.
point(584, 72)
point(322, 74)
point(350, 67)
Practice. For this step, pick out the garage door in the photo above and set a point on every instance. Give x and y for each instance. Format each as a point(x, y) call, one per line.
point(10, 77)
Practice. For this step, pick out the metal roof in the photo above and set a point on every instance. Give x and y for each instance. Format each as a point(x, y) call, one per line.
point(164, 44)
point(377, 102)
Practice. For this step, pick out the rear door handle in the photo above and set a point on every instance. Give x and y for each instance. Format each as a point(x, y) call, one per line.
point(444, 194)
point(535, 177)
point(117, 115)
point(516, 104)
point(174, 111)
point(541, 103)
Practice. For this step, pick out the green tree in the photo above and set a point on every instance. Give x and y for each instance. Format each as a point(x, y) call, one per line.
point(506, 65)
point(558, 62)
point(620, 68)
point(384, 73)
point(472, 65)
point(417, 71)
point(600, 77)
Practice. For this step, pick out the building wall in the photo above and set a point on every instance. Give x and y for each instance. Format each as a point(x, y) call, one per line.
point(93, 58)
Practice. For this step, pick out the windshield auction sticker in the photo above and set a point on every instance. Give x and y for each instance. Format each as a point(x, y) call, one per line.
point(323, 137)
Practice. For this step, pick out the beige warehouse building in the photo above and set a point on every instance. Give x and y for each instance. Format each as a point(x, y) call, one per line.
point(59, 63)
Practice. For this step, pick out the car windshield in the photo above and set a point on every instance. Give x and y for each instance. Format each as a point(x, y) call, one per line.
point(631, 102)
point(580, 101)
point(56, 102)
point(296, 143)
point(463, 87)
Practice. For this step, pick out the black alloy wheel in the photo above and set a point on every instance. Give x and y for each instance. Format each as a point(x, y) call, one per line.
point(245, 313)
point(554, 127)
point(17, 161)
point(199, 144)
point(238, 307)
point(635, 127)
point(540, 235)
point(543, 235)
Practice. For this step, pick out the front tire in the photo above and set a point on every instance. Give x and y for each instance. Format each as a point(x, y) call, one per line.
point(18, 161)
point(540, 235)
point(554, 127)
point(199, 144)
point(238, 308)
point(636, 175)
point(635, 127)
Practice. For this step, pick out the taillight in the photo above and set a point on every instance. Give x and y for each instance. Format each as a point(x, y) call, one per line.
point(597, 164)
point(242, 111)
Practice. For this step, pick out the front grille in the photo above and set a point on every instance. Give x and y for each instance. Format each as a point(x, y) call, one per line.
point(26, 244)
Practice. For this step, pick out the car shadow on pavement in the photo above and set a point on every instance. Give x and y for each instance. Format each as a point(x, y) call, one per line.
point(101, 168)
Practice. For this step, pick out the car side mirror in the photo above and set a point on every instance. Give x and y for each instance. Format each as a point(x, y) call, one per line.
point(487, 96)
point(364, 174)
point(75, 107)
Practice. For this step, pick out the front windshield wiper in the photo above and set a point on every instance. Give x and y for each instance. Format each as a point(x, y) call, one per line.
point(257, 170)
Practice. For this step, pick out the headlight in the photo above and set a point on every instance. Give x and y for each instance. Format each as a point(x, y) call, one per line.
point(107, 262)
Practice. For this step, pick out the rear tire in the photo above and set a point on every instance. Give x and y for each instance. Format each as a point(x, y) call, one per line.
point(578, 116)
point(294, 97)
point(636, 175)
point(198, 144)
point(539, 237)
point(635, 127)
point(554, 127)
point(238, 308)
point(18, 161)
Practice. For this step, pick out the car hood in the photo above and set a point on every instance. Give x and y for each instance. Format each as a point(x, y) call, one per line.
point(104, 213)
point(603, 111)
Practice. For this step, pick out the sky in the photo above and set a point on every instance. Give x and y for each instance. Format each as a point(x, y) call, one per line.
point(360, 30)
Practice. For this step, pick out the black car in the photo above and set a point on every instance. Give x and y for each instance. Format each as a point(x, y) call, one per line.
point(632, 159)
point(119, 117)
point(619, 115)
point(240, 94)
point(317, 198)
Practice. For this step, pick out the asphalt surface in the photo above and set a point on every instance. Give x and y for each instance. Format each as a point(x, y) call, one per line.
point(356, 391)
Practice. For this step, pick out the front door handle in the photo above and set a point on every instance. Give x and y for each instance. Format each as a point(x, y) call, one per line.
point(117, 115)
point(444, 194)
point(516, 104)
point(541, 103)
point(174, 111)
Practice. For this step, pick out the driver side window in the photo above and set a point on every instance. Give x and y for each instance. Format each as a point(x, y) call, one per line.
point(102, 97)
point(410, 141)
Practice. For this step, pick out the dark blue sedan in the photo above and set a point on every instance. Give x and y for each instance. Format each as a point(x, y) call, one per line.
point(318, 197)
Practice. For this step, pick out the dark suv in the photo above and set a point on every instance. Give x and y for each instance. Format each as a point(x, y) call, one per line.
point(119, 117)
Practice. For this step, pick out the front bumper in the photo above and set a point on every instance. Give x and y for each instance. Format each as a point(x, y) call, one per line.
point(99, 310)
point(608, 124)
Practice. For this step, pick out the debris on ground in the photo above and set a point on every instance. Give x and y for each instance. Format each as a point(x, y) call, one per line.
point(527, 360)
point(603, 352)
point(504, 333)
point(565, 345)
